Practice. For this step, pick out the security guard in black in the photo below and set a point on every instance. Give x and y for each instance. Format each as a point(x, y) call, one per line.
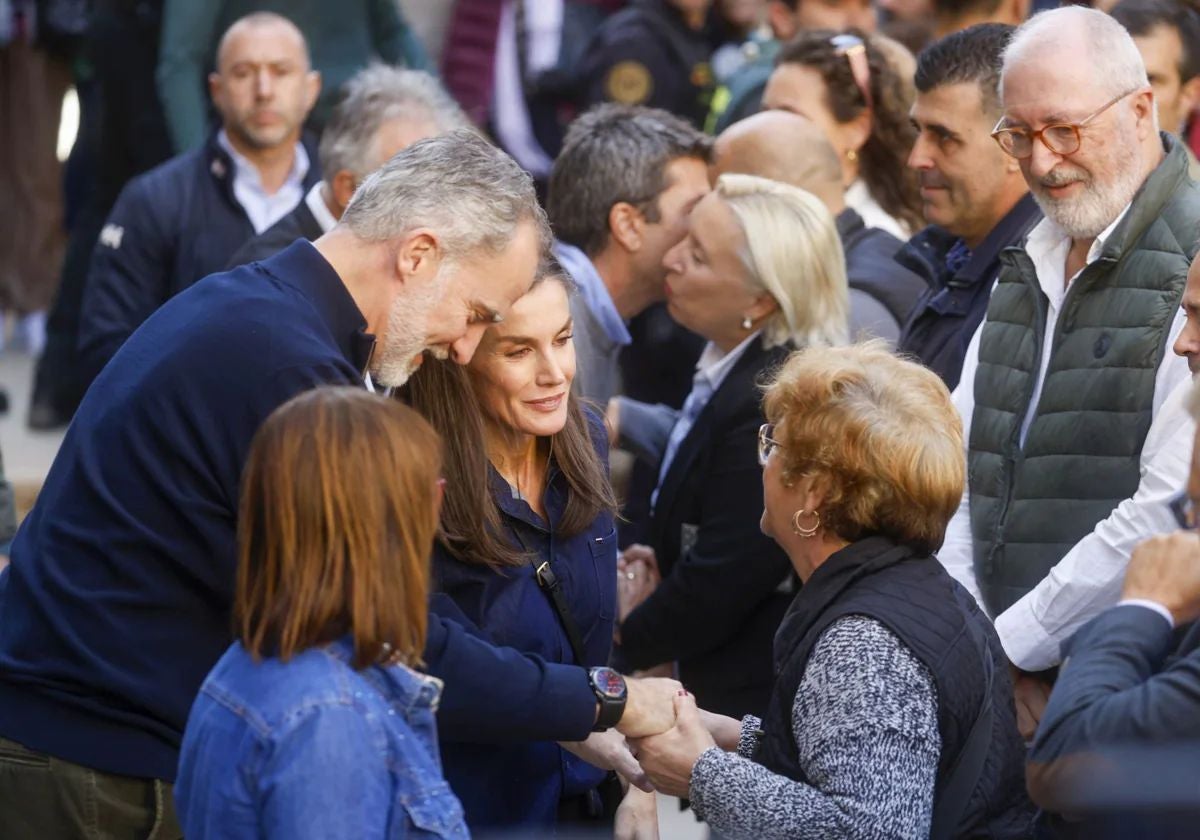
point(652, 53)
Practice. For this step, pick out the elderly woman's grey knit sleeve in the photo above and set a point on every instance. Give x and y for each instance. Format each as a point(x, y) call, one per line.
point(866, 728)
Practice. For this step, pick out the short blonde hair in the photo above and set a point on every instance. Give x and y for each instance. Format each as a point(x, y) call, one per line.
point(881, 431)
point(793, 253)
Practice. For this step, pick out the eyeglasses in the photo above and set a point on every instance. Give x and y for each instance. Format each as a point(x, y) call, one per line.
point(1180, 504)
point(855, 51)
point(766, 443)
point(1060, 138)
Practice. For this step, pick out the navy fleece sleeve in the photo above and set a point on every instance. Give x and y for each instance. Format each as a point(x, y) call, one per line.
point(128, 278)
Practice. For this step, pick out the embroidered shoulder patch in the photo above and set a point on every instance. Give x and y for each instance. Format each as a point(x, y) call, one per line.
point(629, 82)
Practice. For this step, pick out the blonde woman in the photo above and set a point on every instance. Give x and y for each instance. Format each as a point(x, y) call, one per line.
point(759, 274)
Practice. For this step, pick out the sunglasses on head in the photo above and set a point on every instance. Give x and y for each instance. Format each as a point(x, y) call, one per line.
point(855, 51)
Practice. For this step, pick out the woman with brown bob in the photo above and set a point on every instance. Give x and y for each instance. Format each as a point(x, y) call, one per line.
point(314, 723)
point(526, 554)
point(892, 712)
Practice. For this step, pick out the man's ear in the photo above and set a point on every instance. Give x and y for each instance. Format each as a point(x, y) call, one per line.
point(1143, 109)
point(1189, 98)
point(781, 19)
point(342, 188)
point(1018, 11)
point(418, 256)
point(214, 89)
point(626, 226)
point(312, 85)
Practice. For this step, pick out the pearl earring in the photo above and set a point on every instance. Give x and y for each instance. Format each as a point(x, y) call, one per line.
point(746, 322)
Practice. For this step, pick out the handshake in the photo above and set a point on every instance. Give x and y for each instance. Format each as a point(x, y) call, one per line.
point(658, 740)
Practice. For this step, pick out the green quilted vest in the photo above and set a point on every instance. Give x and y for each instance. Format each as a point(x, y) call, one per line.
point(1030, 504)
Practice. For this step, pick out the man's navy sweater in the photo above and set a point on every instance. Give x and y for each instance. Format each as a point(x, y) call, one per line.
point(118, 599)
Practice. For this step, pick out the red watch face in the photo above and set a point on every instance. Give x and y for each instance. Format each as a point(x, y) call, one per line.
point(609, 683)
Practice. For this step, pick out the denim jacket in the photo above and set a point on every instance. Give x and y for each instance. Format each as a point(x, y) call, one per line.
point(311, 748)
point(518, 786)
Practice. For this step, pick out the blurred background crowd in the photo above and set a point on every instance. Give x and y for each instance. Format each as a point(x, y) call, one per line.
point(724, 183)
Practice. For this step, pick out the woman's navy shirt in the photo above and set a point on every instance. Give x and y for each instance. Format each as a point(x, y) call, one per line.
point(520, 785)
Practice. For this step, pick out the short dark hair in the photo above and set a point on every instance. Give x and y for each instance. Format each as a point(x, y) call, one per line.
point(972, 56)
point(615, 153)
point(1140, 17)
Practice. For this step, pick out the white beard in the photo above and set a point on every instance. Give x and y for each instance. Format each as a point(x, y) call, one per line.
point(1096, 207)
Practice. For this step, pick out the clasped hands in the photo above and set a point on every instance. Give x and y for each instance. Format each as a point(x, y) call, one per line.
point(660, 737)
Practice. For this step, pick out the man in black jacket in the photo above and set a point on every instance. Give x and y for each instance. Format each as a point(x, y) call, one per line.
point(973, 195)
point(185, 218)
point(383, 110)
point(786, 147)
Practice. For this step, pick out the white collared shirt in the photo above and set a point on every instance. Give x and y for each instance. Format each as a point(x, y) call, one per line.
point(265, 209)
point(315, 199)
point(1088, 579)
point(860, 200)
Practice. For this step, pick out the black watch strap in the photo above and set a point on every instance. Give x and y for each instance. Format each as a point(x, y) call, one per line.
point(612, 706)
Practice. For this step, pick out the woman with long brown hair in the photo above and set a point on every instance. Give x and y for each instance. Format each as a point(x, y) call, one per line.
point(314, 723)
point(526, 555)
point(847, 85)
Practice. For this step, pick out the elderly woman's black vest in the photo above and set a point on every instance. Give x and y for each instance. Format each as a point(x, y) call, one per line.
point(913, 596)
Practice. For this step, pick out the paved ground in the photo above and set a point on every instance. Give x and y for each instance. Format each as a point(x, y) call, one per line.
point(27, 455)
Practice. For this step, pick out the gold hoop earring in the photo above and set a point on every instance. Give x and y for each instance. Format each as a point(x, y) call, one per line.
point(851, 155)
point(799, 529)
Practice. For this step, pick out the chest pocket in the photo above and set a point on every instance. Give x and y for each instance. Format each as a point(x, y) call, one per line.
point(432, 812)
point(604, 566)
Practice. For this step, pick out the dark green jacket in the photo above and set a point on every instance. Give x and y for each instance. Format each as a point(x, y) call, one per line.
point(1031, 503)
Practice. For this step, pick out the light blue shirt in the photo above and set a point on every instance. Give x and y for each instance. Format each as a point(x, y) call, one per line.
point(593, 291)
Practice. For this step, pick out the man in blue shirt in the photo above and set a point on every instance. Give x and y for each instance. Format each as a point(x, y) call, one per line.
point(117, 601)
point(619, 198)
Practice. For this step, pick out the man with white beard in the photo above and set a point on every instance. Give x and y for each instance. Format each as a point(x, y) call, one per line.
point(118, 597)
point(1071, 363)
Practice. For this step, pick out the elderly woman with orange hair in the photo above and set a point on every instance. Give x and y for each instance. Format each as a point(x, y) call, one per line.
point(892, 711)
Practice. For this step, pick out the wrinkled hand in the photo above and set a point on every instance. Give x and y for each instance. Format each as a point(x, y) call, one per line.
point(637, 816)
point(649, 707)
point(608, 751)
point(668, 758)
point(1166, 569)
point(1031, 696)
point(726, 731)
point(637, 578)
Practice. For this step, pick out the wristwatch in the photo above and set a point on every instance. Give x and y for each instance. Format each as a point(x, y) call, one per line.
point(610, 690)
